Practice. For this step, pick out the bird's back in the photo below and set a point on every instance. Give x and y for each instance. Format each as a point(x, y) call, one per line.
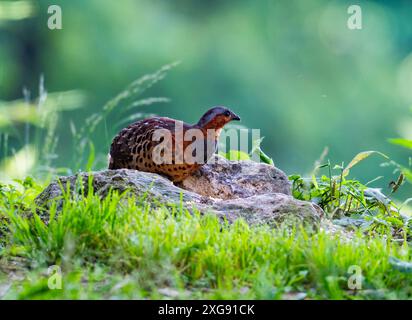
point(181, 152)
point(133, 148)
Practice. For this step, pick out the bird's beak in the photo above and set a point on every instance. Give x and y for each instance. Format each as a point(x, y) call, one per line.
point(235, 117)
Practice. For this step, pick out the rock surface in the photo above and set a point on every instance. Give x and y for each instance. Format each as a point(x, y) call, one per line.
point(258, 193)
point(225, 179)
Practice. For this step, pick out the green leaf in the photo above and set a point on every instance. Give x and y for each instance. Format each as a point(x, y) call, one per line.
point(256, 149)
point(17, 10)
point(90, 160)
point(265, 158)
point(402, 142)
point(294, 177)
point(315, 182)
point(256, 144)
point(360, 157)
point(236, 155)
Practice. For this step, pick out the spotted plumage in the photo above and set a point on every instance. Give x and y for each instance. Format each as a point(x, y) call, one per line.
point(135, 146)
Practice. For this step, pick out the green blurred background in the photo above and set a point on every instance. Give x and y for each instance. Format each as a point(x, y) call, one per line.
point(291, 68)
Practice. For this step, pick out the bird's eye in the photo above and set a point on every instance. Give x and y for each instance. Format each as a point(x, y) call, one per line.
point(227, 113)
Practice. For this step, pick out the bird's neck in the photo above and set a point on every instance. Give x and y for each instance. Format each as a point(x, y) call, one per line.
point(211, 129)
point(212, 133)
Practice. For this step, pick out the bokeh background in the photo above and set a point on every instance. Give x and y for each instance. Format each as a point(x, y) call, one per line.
point(290, 68)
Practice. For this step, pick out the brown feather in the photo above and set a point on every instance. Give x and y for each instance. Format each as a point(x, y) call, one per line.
point(133, 147)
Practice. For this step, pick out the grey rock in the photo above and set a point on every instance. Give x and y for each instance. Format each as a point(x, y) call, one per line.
point(258, 193)
point(225, 179)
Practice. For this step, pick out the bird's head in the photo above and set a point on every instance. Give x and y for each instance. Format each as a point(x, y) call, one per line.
point(216, 118)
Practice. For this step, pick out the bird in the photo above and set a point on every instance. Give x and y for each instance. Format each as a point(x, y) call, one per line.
point(137, 146)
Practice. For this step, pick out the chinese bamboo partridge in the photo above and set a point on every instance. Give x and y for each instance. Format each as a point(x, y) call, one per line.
point(167, 146)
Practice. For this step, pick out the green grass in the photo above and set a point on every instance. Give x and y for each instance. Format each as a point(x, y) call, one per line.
point(120, 248)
